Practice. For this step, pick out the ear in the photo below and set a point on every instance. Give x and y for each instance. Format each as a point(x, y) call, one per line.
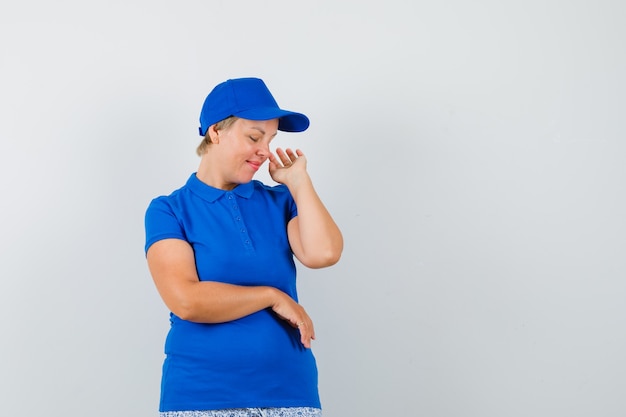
point(213, 133)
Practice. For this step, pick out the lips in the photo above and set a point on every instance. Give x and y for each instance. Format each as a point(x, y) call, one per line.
point(255, 164)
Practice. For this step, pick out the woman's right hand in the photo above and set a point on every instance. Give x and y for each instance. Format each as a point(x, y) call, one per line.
point(289, 310)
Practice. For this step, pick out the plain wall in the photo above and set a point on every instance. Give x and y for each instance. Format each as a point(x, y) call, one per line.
point(472, 152)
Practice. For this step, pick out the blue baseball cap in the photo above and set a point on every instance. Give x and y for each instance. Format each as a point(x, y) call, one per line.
point(247, 98)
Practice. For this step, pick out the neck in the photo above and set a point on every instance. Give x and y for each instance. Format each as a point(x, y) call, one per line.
point(210, 175)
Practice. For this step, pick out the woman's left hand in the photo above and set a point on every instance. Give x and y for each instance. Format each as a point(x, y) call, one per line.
point(288, 166)
point(289, 310)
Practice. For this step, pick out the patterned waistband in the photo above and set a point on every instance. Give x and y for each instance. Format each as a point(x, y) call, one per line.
point(248, 412)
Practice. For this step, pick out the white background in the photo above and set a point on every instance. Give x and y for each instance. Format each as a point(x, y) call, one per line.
point(472, 152)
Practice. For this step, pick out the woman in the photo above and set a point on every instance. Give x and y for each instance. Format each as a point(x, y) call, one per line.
point(220, 250)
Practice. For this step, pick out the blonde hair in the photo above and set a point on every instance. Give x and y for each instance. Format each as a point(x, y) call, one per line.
point(221, 125)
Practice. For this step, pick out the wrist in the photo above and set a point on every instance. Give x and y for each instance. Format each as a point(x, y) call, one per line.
point(272, 296)
point(298, 183)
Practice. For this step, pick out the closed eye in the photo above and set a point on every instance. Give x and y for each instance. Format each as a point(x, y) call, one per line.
point(253, 139)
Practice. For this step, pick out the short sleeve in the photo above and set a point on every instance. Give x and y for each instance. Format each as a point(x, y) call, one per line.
point(161, 223)
point(293, 209)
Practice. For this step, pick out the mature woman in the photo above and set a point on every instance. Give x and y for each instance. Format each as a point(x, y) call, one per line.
point(221, 252)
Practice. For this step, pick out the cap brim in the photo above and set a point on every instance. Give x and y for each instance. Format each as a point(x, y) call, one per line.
point(288, 121)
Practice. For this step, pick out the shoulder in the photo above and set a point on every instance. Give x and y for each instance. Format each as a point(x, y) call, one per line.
point(172, 200)
point(270, 189)
point(162, 203)
point(276, 196)
point(278, 192)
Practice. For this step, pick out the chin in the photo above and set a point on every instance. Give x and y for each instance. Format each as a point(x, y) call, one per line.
point(246, 179)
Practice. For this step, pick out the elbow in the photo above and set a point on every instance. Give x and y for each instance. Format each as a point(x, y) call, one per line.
point(333, 256)
point(325, 258)
point(321, 262)
point(184, 309)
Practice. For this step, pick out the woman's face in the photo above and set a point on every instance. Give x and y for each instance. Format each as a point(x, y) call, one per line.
point(243, 148)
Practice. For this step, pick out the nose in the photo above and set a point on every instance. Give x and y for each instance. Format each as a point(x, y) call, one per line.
point(263, 150)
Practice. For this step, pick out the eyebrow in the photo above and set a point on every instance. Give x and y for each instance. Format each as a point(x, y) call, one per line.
point(262, 131)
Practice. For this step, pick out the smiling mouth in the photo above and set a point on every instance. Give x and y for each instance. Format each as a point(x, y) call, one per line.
point(255, 165)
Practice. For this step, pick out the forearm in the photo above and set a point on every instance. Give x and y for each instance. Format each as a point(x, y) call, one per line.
point(216, 302)
point(319, 237)
point(172, 266)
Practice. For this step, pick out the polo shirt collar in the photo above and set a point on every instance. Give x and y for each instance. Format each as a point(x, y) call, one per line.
point(211, 194)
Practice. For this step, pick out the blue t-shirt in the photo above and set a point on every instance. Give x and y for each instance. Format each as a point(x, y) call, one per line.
point(238, 237)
